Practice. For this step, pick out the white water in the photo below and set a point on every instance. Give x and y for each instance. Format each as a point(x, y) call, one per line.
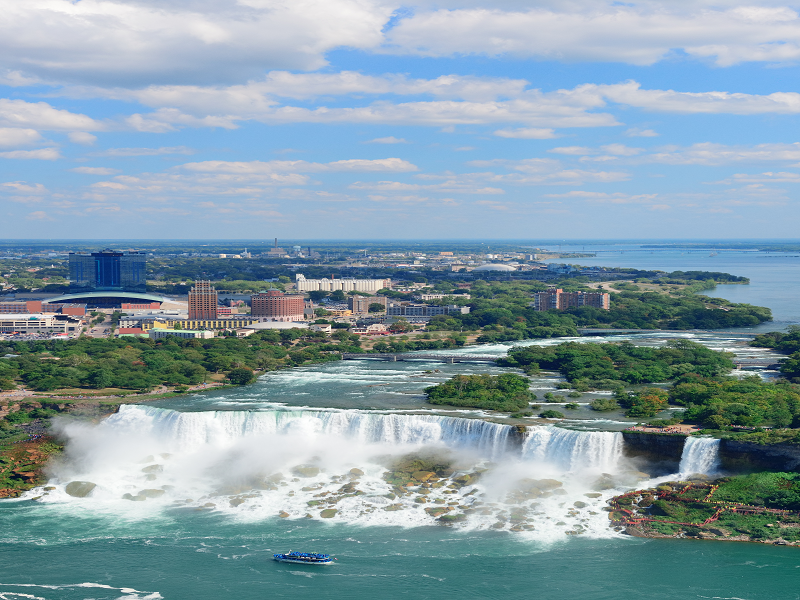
point(574, 450)
point(700, 456)
point(244, 465)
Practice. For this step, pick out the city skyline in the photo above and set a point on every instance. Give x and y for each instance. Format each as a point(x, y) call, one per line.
point(367, 119)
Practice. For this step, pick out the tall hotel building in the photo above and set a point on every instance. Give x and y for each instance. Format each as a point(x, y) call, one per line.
point(108, 270)
point(277, 306)
point(203, 301)
point(557, 299)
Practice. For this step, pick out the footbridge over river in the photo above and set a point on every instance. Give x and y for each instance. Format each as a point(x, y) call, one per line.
point(442, 358)
point(606, 331)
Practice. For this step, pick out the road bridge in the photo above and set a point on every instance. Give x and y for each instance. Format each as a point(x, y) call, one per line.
point(442, 358)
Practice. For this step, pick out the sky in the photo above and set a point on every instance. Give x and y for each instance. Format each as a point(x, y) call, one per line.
point(348, 119)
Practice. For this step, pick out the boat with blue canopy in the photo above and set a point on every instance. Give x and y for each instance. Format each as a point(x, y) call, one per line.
point(305, 558)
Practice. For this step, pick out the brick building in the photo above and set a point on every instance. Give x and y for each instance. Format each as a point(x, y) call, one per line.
point(203, 301)
point(278, 306)
point(558, 299)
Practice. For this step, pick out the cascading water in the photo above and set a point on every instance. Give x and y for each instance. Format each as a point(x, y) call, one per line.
point(193, 429)
point(700, 456)
point(574, 450)
point(341, 464)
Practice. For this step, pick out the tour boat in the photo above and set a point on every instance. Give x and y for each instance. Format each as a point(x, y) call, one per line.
point(305, 558)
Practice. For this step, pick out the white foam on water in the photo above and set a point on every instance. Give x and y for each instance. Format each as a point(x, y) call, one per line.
point(700, 456)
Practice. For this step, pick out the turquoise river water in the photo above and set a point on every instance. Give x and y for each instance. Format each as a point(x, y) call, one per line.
point(218, 482)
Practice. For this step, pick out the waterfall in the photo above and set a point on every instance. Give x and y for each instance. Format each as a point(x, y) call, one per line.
point(194, 429)
point(571, 450)
point(700, 455)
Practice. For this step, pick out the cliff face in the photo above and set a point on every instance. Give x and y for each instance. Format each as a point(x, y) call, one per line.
point(661, 454)
point(654, 454)
point(747, 456)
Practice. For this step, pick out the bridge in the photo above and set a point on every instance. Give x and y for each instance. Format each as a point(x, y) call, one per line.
point(606, 331)
point(442, 358)
point(743, 363)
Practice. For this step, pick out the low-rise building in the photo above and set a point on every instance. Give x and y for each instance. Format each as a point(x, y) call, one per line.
point(30, 307)
point(361, 304)
point(408, 309)
point(323, 327)
point(27, 323)
point(374, 329)
point(157, 334)
point(424, 297)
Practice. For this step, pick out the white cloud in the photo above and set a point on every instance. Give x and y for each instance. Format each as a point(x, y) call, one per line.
point(768, 177)
point(527, 133)
point(636, 132)
point(595, 31)
point(670, 101)
point(719, 154)
point(94, 170)
point(146, 151)
point(572, 150)
point(607, 198)
point(39, 215)
point(82, 137)
point(461, 184)
point(40, 115)
point(11, 137)
point(41, 154)
point(387, 140)
point(139, 41)
point(396, 165)
point(22, 187)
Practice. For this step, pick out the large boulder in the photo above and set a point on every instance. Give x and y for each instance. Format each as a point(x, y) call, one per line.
point(153, 469)
point(328, 513)
point(151, 493)
point(79, 489)
point(357, 472)
point(306, 471)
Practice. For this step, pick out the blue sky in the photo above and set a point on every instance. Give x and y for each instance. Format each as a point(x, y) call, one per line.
point(377, 119)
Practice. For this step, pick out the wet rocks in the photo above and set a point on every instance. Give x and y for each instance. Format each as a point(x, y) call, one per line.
point(79, 489)
point(328, 513)
point(305, 471)
point(136, 498)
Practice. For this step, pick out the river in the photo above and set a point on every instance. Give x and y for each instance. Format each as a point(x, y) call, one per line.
point(217, 482)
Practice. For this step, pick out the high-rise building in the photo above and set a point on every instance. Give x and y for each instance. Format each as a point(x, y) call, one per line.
point(276, 305)
point(108, 270)
point(557, 299)
point(203, 301)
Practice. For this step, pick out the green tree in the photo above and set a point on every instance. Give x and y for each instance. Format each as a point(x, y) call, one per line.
point(376, 307)
point(241, 376)
point(100, 379)
point(317, 295)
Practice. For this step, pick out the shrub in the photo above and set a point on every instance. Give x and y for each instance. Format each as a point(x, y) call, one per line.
point(604, 404)
point(551, 414)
